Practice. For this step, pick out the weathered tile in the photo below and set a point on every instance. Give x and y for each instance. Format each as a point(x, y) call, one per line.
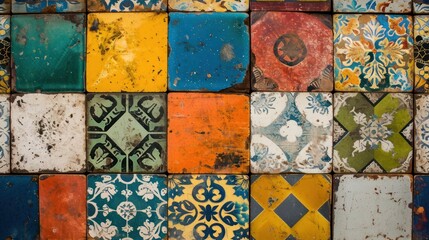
point(5, 6)
point(4, 134)
point(372, 206)
point(285, 55)
point(208, 133)
point(208, 57)
point(421, 6)
point(421, 203)
point(373, 132)
point(421, 123)
point(291, 5)
point(126, 132)
point(127, 52)
point(291, 132)
point(126, 5)
point(127, 206)
point(421, 53)
point(48, 133)
point(215, 6)
point(19, 207)
point(62, 206)
point(208, 207)
point(48, 6)
point(373, 53)
point(42, 60)
point(373, 6)
point(5, 46)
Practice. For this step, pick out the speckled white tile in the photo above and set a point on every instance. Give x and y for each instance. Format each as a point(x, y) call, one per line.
point(4, 134)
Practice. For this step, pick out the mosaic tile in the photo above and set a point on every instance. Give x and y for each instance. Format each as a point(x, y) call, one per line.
point(48, 133)
point(48, 6)
point(373, 53)
point(208, 57)
point(216, 6)
point(420, 204)
point(127, 206)
point(373, 6)
point(421, 123)
point(4, 134)
point(293, 206)
point(208, 133)
point(126, 132)
point(421, 6)
point(421, 53)
point(372, 206)
point(127, 52)
point(373, 132)
point(291, 5)
point(291, 132)
point(208, 207)
point(19, 207)
point(62, 206)
point(5, 46)
point(42, 60)
point(126, 5)
point(285, 56)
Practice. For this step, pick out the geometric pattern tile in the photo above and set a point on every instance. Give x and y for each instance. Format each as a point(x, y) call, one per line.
point(126, 132)
point(421, 6)
point(421, 53)
point(5, 55)
point(48, 6)
point(4, 133)
point(291, 5)
point(421, 134)
point(300, 210)
point(373, 6)
point(373, 132)
point(203, 6)
point(420, 204)
point(126, 5)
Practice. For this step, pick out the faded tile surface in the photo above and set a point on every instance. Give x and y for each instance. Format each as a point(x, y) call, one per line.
point(5, 61)
point(293, 206)
point(206, 56)
point(126, 5)
point(127, 206)
point(373, 132)
point(48, 132)
point(208, 133)
point(291, 132)
point(421, 6)
point(421, 203)
point(285, 55)
point(372, 206)
point(421, 123)
point(208, 207)
point(48, 6)
point(291, 5)
point(4, 133)
point(373, 53)
point(421, 53)
point(208, 6)
point(126, 132)
point(127, 52)
point(376, 6)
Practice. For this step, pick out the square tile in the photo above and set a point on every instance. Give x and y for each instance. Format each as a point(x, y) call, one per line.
point(4, 133)
point(49, 6)
point(48, 133)
point(373, 132)
point(127, 52)
point(285, 56)
point(421, 203)
point(372, 206)
point(126, 132)
point(291, 5)
point(208, 133)
point(209, 6)
point(421, 123)
point(421, 53)
point(127, 206)
point(291, 132)
point(373, 53)
point(208, 207)
point(373, 6)
point(42, 60)
point(293, 206)
point(5, 61)
point(62, 206)
point(126, 5)
point(19, 207)
point(208, 57)
point(421, 6)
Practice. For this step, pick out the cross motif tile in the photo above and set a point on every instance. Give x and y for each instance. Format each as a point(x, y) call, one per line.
point(126, 5)
point(291, 5)
point(421, 53)
point(48, 6)
point(4, 133)
point(376, 6)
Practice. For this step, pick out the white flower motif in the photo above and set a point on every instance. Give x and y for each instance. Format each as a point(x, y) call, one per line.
point(148, 211)
point(126, 193)
point(127, 228)
point(163, 191)
point(291, 131)
point(145, 190)
point(148, 231)
point(104, 230)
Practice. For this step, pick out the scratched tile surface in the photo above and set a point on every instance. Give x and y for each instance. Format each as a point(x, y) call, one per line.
point(48, 133)
point(291, 5)
point(126, 132)
point(206, 56)
point(5, 45)
point(421, 53)
point(421, 123)
point(373, 132)
point(208, 133)
point(4, 133)
point(127, 206)
point(376, 6)
point(293, 206)
point(208, 207)
point(209, 6)
point(126, 5)
point(373, 53)
point(421, 203)
point(421, 6)
point(48, 6)
point(127, 52)
point(43, 61)
point(291, 132)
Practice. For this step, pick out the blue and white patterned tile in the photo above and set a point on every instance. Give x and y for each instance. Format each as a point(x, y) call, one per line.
point(421, 140)
point(376, 6)
point(421, 6)
point(4, 134)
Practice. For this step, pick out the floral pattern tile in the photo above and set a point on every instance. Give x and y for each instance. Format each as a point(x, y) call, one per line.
point(375, 6)
point(421, 123)
point(208, 6)
point(126, 5)
point(5, 55)
point(4, 133)
point(421, 203)
point(291, 132)
point(48, 6)
point(421, 6)
point(127, 206)
point(291, 5)
point(373, 132)
point(373, 53)
point(208, 207)
point(421, 53)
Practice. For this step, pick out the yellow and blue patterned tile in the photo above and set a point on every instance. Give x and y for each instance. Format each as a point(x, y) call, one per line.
point(421, 53)
point(5, 54)
point(375, 6)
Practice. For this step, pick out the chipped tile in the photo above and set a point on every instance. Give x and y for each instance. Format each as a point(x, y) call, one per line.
point(421, 53)
point(126, 5)
point(285, 55)
point(208, 133)
point(373, 6)
point(206, 56)
point(5, 60)
point(291, 5)
point(4, 134)
point(126, 132)
point(421, 123)
point(421, 203)
point(48, 6)
point(48, 133)
point(421, 6)
point(208, 6)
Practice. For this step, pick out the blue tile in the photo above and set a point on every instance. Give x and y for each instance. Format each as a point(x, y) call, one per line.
point(421, 203)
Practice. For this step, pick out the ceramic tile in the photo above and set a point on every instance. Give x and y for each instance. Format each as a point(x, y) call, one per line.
point(4, 133)
point(373, 53)
point(127, 206)
point(127, 52)
point(126, 5)
point(421, 6)
point(421, 203)
point(285, 55)
point(126, 132)
point(208, 57)
point(215, 6)
point(421, 144)
point(19, 207)
point(372, 206)
point(421, 53)
point(62, 206)
point(375, 6)
point(291, 5)
point(291, 132)
point(373, 132)
point(48, 6)
point(208, 133)
point(208, 207)
point(5, 46)
point(43, 61)
point(48, 132)
point(5, 6)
